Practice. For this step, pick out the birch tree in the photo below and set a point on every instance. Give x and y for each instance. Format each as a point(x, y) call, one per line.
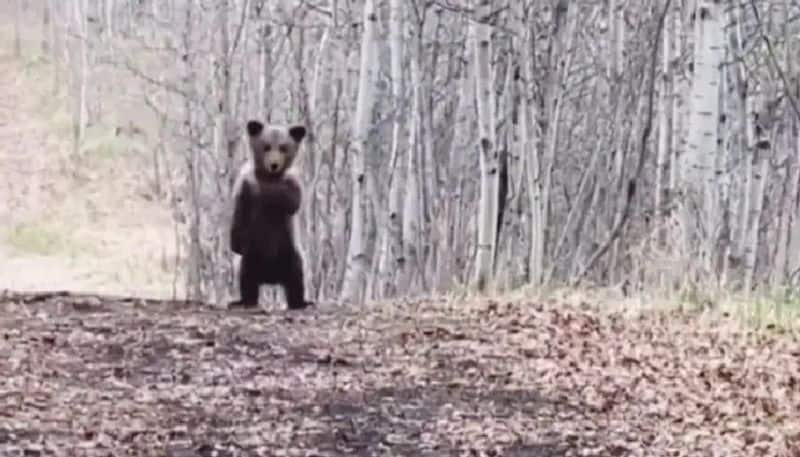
point(413, 172)
point(55, 42)
point(662, 190)
point(352, 287)
point(109, 8)
point(79, 60)
point(487, 219)
point(17, 27)
point(46, 36)
point(558, 58)
point(700, 205)
point(458, 201)
point(389, 253)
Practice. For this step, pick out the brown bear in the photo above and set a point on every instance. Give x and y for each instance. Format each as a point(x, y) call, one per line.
point(266, 197)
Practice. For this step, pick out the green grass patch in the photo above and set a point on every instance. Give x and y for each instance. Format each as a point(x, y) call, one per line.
point(45, 238)
point(779, 309)
point(36, 238)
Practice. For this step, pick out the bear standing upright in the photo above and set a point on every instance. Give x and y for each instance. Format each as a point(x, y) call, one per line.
point(266, 197)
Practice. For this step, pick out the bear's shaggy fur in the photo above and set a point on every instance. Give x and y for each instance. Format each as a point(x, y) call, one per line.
point(266, 197)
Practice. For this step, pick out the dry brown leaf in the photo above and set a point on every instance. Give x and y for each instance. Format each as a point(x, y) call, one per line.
point(482, 378)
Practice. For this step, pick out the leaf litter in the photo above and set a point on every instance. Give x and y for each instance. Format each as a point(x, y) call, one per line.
point(97, 376)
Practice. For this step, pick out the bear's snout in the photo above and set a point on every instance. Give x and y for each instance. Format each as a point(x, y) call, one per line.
point(273, 162)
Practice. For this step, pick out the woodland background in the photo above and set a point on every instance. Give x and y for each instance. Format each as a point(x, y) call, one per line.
point(651, 146)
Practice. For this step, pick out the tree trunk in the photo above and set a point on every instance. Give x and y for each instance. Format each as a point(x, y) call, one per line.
point(17, 28)
point(794, 237)
point(109, 12)
point(80, 73)
point(390, 242)
point(456, 199)
point(616, 20)
point(755, 226)
point(560, 61)
point(662, 190)
point(487, 212)
point(352, 288)
point(56, 43)
point(700, 208)
point(46, 28)
point(412, 208)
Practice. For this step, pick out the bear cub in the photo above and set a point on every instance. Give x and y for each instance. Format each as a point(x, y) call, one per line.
point(266, 197)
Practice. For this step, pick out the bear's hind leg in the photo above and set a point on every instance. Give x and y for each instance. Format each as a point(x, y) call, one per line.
point(249, 284)
point(293, 287)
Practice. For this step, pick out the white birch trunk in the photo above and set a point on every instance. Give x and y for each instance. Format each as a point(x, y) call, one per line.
point(751, 206)
point(487, 220)
point(109, 23)
point(751, 255)
point(503, 257)
point(462, 139)
point(80, 73)
point(724, 164)
point(109, 12)
point(413, 178)
point(616, 20)
point(265, 101)
point(791, 263)
point(794, 237)
point(679, 90)
point(55, 43)
point(17, 28)
point(46, 28)
point(390, 237)
point(340, 182)
point(527, 143)
point(621, 140)
point(353, 286)
point(559, 67)
point(664, 133)
point(223, 134)
point(315, 220)
point(741, 198)
point(780, 266)
point(700, 205)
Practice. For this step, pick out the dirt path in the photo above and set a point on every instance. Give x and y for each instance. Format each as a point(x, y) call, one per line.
point(100, 376)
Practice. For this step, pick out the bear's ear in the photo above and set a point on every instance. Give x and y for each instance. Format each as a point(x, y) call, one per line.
point(254, 128)
point(297, 132)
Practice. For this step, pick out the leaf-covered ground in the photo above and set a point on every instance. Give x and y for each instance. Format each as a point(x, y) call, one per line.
point(85, 375)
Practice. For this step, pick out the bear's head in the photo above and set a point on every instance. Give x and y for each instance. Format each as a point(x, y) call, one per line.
point(274, 147)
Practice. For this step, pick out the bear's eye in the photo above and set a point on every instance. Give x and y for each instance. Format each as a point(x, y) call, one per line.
point(267, 147)
point(283, 148)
